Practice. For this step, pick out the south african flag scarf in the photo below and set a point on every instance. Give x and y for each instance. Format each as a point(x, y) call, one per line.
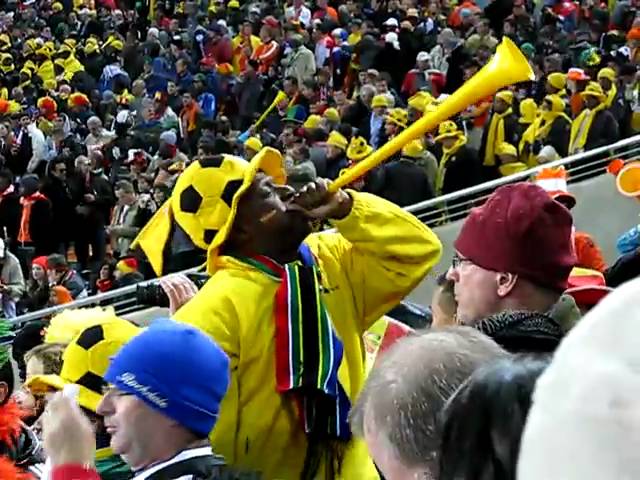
point(308, 351)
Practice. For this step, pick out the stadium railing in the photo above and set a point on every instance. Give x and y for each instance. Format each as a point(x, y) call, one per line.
point(433, 212)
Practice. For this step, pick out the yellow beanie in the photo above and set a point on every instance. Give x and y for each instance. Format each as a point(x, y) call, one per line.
point(336, 139)
point(253, 143)
point(557, 80)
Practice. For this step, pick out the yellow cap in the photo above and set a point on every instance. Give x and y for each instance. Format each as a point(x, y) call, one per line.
point(512, 168)
point(608, 73)
point(420, 101)
point(413, 149)
point(332, 115)
point(57, 7)
point(312, 121)
point(86, 360)
point(447, 129)
point(528, 110)
point(398, 116)
point(557, 80)
point(557, 103)
point(336, 139)
point(380, 101)
point(233, 4)
point(253, 143)
point(595, 90)
point(506, 96)
point(358, 149)
point(506, 149)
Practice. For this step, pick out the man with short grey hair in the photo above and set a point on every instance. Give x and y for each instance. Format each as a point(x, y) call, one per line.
point(397, 411)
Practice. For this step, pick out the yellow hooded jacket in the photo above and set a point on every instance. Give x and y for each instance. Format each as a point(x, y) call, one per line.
point(378, 255)
point(72, 66)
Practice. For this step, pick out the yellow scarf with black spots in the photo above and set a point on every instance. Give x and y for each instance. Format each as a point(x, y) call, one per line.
point(580, 128)
point(495, 136)
point(447, 153)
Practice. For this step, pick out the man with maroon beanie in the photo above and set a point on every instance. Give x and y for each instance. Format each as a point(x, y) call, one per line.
point(513, 254)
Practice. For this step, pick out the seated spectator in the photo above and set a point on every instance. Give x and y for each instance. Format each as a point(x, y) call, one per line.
point(60, 273)
point(106, 277)
point(59, 295)
point(126, 273)
point(397, 411)
point(474, 420)
point(37, 293)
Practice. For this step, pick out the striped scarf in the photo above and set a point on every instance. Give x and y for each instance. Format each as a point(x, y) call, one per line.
point(308, 350)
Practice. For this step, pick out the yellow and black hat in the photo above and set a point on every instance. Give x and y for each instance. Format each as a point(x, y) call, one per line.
point(204, 203)
point(86, 359)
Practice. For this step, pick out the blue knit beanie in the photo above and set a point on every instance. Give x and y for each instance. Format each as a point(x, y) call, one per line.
point(175, 369)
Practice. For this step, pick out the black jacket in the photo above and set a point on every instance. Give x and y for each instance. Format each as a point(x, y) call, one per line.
point(462, 171)
point(401, 182)
point(10, 217)
point(604, 130)
point(62, 207)
point(558, 137)
point(95, 213)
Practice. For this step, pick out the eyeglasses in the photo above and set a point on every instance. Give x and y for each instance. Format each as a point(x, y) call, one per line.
point(457, 261)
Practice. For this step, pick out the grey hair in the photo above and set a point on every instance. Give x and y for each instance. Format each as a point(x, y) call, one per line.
point(410, 384)
point(367, 89)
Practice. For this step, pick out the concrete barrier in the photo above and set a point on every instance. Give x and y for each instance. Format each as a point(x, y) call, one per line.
point(601, 211)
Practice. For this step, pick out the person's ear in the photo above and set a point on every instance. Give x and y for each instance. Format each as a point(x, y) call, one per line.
point(4, 392)
point(505, 283)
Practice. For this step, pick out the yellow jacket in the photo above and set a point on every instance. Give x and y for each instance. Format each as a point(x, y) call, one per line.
point(72, 66)
point(378, 256)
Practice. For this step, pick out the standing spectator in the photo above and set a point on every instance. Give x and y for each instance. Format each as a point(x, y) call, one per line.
point(93, 198)
point(595, 126)
point(11, 281)
point(503, 127)
point(247, 92)
point(422, 78)
point(492, 275)
point(38, 145)
point(458, 167)
point(301, 63)
point(267, 52)
point(98, 136)
point(159, 433)
point(36, 221)
point(336, 154)
point(125, 223)
point(243, 45)
point(10, 209)
point(56, 189)
point(61, 274)
point(298, 12)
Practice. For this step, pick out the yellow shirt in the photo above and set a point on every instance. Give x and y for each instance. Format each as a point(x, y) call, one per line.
point(379, 254)
point(239, 59)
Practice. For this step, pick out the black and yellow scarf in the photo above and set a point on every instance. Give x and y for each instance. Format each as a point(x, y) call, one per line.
point(495, 136)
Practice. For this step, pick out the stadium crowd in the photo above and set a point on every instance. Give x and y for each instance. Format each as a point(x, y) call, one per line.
point(140, 139)
point(104, 103)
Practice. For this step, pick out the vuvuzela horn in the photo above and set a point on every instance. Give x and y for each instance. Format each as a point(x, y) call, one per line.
point(628, 180)
point(279, 97)
point(506, 67)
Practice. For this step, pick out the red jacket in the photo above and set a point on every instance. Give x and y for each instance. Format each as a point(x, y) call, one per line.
point(74, 472)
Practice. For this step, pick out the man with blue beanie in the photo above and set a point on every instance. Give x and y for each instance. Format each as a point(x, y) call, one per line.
point(166, 385)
